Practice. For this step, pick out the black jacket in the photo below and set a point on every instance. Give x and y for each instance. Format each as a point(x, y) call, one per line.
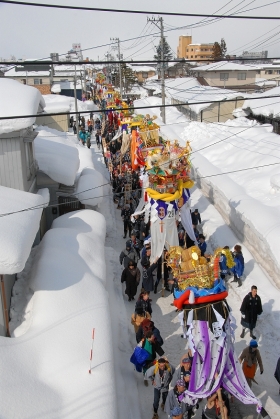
point(251, 307)
point(145, 305)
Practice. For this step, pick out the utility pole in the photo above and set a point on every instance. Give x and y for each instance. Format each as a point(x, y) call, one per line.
point(76, 105)
point(120, 66)
point(85, 81)
point(160, 22)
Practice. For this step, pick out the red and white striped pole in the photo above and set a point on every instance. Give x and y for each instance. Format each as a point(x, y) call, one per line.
point(91, 351)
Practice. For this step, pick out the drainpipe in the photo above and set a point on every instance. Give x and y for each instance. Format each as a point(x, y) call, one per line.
point(5, 309)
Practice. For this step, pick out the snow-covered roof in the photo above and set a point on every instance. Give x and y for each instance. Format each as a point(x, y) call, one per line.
point(13, 73)
point(226, 66)
point(17, 99)
point(141, 68)
point(267, 107)
point(61, 103)
point(50, 354)
point(264, 82)
point(18, 230)
point(57, 157)
point(89, 190)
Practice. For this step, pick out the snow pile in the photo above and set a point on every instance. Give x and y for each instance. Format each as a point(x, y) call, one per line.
point(17, 99)
point(267, 107)
point(226, 66)
point(61, 103)
point(18, 229)
point(247, 199)
point(89, 188)
point(56, 155)
point(67, 285)
point(264, 82)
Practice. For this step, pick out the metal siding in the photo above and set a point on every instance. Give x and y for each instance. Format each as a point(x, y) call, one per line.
point(2, 171)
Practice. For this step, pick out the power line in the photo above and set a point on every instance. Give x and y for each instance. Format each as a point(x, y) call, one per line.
point(146, 12)
point(130, 108)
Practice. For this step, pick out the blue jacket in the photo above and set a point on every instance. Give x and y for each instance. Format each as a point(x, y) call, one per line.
point(83, 136)
point(238, 269)
point(202, 247)
point(223, 264)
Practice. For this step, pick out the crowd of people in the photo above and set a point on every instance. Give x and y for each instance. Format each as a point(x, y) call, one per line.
point(142, 276)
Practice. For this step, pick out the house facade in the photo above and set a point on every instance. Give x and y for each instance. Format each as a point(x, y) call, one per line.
point(188, 50)
point(39, 77)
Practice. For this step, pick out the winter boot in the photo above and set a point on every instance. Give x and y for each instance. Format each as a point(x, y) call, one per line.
point(234, 279)
point(162, 406)
point(155, 289)
point(239, 282)
point(252, 335)
point(155, 416)
point(243, 333)
point(146, 383)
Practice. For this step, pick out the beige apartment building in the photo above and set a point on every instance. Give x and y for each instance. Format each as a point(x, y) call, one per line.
point(189, 51)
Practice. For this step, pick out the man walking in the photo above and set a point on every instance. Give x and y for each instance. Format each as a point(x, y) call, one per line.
point(251, 308)
point(161, 375)
point(250, 359)
point(126, 213)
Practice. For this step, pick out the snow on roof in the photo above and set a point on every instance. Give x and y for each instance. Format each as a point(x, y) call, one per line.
point(264, 82)
point(140, 68)
point(90, 181)
point(226, 66)
point(267, 107)
point(61, 103)
point(189, 90)
point(13, 73)
point(50, 354)
point(18, 230)
point(17, 99)
point(56, 156)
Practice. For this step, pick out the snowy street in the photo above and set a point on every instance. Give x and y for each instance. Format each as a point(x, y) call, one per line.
point(130, 383)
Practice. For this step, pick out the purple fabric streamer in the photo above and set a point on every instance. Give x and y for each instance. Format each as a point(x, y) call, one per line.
point(211, 358)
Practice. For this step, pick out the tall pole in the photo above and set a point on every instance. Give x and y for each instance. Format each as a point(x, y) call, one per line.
point(162, 72)
point(120, 67)
point(76, 105)
point(85, 82)
point(160, 21)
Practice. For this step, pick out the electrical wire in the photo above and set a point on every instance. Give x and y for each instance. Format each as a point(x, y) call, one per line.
point(146, 12)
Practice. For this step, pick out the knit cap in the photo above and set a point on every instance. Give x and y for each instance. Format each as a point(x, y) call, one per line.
point(180, 383)
point(253, 344)
point(176, 411)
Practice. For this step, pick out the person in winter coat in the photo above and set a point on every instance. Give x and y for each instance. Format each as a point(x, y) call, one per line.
point(145, 327)
point(251, 308)
point(147, 274)
point(125, 214)
point(223, 264)
point(277, 372)
point(135, 243)
point(184, 371)
point(161, 375)
point(176, 413)
point(88, 141)
point(202, 244)
point(83, 136)
point(144, 302)
point(238, 268)
point(150, 344)
point(195, 218)
point(137, 318)
point(172, 400)
point(127, 255)
point(131, 276)
point(250, 358)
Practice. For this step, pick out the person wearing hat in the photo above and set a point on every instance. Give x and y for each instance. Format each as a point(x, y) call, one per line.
point(173, 400)
point(144, 303)
point(161, 375)
point(131, 276)
point(195, 218)
point(147, 272)
point(128, 254)
point(184, 371)
point(135, 243)
point(250, 359)
point(176, 413)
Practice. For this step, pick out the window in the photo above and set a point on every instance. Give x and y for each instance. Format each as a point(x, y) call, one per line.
point(195, 56)
point(191, 56)
point(187, 50)
point(241, 76)
point(192, 49)
point(38, 81)
point(224, 76)
point(23, 81)
point(144, 74)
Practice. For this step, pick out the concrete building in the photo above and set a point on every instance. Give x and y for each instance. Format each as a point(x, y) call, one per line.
point(188, 50)
point(229, 75)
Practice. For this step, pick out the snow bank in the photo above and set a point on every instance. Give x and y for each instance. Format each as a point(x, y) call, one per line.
point(19, 229)
point(89, 188)
point(17, 99)
point(61, 103)
point(51, 360)
point(56, 156)
point(267, 107)
point(247, 199)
